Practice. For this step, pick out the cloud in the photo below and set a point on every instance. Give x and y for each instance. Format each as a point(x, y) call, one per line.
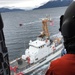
point(22, 4)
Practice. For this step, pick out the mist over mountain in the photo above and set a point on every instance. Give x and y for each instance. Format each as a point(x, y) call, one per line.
point(3, 9)
point(50, 4)
point(56, 3)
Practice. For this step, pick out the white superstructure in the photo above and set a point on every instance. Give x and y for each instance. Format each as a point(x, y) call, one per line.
point(41, 47)
point(37, 50)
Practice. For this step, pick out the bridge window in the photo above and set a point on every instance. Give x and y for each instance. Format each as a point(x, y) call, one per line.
point(41, 46)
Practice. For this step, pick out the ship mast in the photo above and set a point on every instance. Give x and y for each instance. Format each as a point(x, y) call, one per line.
point(45, 27)
point(45, 32)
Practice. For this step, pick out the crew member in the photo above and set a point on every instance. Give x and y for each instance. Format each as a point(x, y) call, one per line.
point(66, 64)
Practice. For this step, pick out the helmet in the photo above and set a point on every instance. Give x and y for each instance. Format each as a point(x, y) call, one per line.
point(68, 24)
point(68, 28)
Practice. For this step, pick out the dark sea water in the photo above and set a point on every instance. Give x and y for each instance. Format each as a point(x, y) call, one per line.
point(17, 37)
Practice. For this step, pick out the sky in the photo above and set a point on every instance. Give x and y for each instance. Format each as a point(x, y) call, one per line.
point(22, 4)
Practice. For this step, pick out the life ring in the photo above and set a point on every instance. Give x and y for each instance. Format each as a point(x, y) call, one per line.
point(53, 48)
point(46, 40)
point(14, 69)
point(28, 59)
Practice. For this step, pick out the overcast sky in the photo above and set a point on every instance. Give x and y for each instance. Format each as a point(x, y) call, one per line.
point(24, 4)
